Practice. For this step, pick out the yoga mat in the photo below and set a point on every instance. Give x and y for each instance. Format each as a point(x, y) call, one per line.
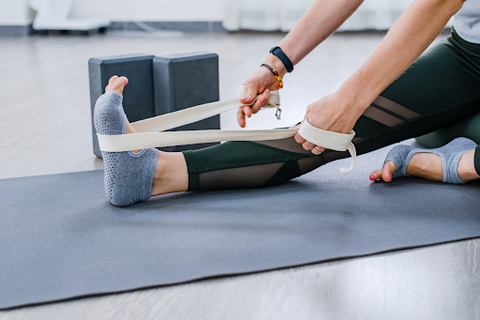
point(61, 239)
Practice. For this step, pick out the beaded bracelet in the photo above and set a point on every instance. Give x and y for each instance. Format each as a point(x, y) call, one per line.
point(275, 73)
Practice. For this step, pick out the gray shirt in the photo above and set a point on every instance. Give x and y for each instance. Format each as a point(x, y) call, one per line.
point(467, 21)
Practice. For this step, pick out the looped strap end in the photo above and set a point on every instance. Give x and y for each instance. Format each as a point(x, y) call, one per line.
point(353, 154)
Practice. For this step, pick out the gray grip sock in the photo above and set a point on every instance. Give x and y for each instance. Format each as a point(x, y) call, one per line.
point(128, 175)
point(450, 154)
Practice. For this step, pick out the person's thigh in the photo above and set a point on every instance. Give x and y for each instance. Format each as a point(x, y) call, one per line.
point(439, 89)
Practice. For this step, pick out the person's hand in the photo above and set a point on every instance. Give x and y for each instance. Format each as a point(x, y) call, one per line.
point(262, 81)
point(332, 113)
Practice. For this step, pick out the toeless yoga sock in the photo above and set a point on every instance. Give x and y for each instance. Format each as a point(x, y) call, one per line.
point(128, 175)
point(450, 154)
point(400, 156)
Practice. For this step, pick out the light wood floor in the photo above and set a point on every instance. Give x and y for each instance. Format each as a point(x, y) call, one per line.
point(46, 129)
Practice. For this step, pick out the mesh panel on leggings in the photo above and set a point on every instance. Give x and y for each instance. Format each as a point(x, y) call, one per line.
point(290, 161)
point(238, 178)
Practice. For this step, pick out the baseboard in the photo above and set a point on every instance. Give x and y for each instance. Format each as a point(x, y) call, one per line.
point(15, 30)
point(185, 26)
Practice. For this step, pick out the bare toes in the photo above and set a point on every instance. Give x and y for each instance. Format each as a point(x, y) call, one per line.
point(385, 173)
point(116, 84)
point(388, 169)
point(376, 175)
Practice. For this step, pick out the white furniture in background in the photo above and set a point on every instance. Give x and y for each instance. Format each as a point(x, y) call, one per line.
point(54, 15)
point(272, 15)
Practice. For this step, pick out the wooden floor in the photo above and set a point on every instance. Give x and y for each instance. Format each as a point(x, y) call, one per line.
point(46, 129)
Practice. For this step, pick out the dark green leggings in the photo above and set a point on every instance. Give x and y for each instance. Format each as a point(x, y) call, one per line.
point(439, 91)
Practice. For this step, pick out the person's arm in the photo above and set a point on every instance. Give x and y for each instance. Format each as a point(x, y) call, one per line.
point(318, 23)
point(413, 32)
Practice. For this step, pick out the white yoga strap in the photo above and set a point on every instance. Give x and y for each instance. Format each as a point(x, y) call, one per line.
point(330, 140)
point(150, 131)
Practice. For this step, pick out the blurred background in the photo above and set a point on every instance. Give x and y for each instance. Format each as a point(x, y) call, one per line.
point(17, 16)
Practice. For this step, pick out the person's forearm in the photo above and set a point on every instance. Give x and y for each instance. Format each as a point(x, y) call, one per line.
point(318, 23)
point(414, 31)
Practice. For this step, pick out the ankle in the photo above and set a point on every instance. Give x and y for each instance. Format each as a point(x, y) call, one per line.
point(466, 167)
point(170, 174)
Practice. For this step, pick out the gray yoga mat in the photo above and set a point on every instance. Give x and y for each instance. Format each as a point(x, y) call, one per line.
point(61, 239)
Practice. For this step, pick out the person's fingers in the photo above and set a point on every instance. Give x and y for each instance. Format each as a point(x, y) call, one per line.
point(241, 117)
point(299, 138)
point(318, 150)
point(307, 145)
point(247, 110)
point(261, 102)
point(252, 92)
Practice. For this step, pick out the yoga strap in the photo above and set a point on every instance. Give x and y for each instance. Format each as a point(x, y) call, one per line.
point(330, 140)
point(150, 131)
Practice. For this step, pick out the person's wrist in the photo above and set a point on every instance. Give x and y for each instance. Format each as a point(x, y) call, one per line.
point(357, 95)
point(276, 64)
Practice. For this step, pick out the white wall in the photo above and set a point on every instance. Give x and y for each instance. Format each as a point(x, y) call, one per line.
point(15, 13)
point(149, 10)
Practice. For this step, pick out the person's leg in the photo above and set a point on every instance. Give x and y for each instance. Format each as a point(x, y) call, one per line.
point(251, 164)
point(467, 127)
point(136, 175)
point(439, 89)
point(446, 81)
point(424, 99)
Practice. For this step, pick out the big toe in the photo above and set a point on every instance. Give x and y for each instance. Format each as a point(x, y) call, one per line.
point(116, 85)
point(387, 172)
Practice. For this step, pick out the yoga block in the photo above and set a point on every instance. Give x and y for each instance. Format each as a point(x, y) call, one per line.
point(138, 101)
point(186, 80)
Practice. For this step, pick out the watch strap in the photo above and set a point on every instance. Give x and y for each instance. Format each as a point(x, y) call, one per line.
point(283, 57)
